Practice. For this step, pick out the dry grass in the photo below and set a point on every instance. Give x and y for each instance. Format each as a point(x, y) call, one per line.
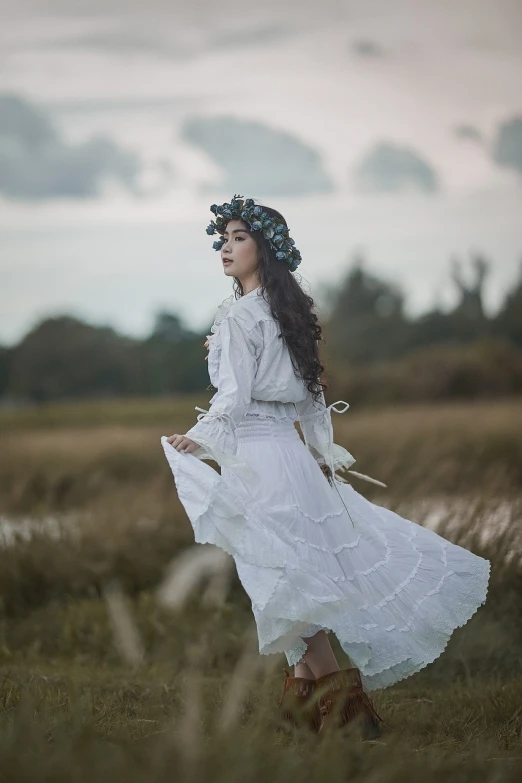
point(417, 451)
point(99, 678)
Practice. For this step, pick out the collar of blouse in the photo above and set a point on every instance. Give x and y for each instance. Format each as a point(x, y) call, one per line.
point(222, 310)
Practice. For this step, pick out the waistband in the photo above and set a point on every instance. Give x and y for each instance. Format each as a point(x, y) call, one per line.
point(254, 429)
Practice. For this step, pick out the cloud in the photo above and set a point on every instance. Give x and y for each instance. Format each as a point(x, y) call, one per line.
point(507, 147)
point(36, 164)
point(256, 158)
point(112, 103)
point(366, 48)
point(262, 34)
point(389, 169)
point(126, 40)
point(468, 133)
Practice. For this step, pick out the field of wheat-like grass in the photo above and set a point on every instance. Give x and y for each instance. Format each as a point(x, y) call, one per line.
point(128, 653)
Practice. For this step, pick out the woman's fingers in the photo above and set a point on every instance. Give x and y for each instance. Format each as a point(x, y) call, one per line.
point(192, 446)
point(181, 443)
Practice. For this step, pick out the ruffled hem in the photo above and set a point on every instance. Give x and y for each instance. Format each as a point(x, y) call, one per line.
point(391, 591)
point(374, 649)
point(361, 653)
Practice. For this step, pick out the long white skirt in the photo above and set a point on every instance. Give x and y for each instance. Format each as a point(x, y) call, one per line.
point(311, 556)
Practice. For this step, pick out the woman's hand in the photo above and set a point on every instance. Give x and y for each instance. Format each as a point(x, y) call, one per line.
point(327, 472)
point(181, 443)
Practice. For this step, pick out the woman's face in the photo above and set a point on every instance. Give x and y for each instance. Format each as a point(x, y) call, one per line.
point(239, 254)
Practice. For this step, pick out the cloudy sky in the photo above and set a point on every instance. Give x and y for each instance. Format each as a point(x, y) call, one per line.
point(387, 128)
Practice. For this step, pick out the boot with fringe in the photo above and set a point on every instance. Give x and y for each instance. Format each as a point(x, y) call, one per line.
point(342, 700)
point(298, 705)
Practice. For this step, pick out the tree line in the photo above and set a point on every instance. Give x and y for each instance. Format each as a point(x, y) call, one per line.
point(373, 350)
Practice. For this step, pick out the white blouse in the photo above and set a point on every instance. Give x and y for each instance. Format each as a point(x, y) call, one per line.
point(251, 368)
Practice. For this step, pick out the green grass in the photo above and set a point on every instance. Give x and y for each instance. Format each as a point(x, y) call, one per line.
point(70, 701)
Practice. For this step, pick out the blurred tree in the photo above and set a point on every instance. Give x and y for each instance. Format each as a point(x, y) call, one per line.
point(63, 357)
point(173, 357)
point(508, 321)
point(5, 362)
point(468, 316)
point(466, 322)
point(169, 327)
point(366, 320)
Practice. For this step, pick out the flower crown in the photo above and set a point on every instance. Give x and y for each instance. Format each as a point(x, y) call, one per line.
point(273, 229)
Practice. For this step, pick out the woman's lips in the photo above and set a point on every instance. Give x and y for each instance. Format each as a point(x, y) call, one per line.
point(227, 261)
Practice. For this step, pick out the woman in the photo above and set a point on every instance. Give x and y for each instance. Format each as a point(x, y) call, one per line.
point(312, 553)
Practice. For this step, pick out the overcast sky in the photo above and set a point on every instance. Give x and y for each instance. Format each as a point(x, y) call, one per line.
point(382, 128)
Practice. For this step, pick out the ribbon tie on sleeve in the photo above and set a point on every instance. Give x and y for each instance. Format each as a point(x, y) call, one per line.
point(339, 402)
point(348, 470)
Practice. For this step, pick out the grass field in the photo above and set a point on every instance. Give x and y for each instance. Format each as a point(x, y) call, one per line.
point(100, 679)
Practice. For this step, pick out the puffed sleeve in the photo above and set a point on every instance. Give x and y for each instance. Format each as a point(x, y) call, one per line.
point(215, 431)
point(316, 425)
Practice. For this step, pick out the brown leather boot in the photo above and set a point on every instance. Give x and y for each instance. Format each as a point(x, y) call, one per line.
point(298, 705)
point(342, 700)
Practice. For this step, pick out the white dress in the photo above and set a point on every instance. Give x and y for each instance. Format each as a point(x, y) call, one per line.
point(310, 555)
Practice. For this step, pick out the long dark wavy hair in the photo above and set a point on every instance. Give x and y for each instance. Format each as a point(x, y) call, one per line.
point(292, 309)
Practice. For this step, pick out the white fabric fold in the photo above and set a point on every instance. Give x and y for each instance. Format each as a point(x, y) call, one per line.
point(215, 431)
